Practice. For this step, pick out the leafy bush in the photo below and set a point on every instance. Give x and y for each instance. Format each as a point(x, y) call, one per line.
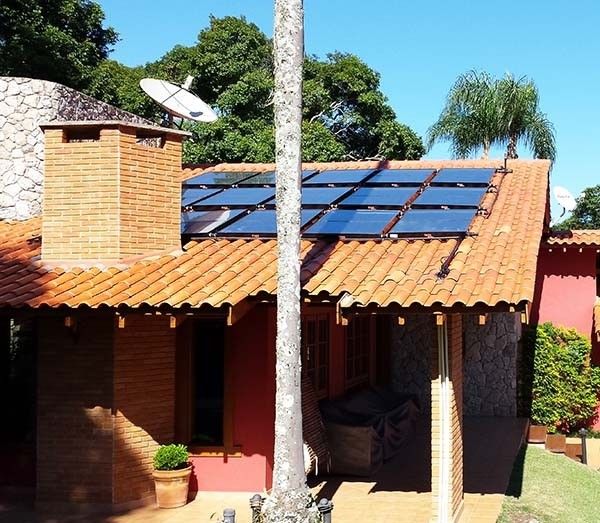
point(171, 457)
point(565, 386)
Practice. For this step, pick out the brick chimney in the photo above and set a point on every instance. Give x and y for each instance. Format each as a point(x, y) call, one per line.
point(112, 191)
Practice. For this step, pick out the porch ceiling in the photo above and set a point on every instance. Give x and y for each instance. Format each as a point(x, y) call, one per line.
point(494, 265)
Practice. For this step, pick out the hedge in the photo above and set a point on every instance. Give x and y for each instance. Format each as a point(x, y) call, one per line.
point(564, 385)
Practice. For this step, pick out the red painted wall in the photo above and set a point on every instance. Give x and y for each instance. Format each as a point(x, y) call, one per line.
point(566, 292)
point(566, 288)
point(252, 346)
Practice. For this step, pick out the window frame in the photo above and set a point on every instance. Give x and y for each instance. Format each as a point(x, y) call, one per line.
point(185, 390)
point(321, 317)
point(367, 345)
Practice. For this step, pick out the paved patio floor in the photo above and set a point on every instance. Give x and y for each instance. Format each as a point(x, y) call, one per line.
point(399, 492)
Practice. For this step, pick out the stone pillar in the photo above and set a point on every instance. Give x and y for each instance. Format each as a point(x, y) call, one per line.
point(447, 421)
point(410, 367)
point(490, 364)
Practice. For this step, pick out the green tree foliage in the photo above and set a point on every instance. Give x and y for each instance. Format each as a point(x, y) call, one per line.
point(482, 111)
point(59, 40)
point(586, 214)
point(565, 387)
point(346, 116)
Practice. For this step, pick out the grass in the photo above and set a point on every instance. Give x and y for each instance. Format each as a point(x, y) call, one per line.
point(550, 488)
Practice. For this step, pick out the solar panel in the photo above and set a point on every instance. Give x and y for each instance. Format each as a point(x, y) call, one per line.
point(190, 195)
point(263, 221)
point(464, 175)
point(401, 176)
point(219, 178)
point(198, 222)
point(341, 176)
point(321, 196)
point(434, 221)
point(270, 177)
point(451, 196)
point(378, 197)
point(238, 196)
point(356, 222)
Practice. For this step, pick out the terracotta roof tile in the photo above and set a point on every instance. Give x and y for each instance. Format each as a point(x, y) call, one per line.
point(575, 238)
point(494, 266)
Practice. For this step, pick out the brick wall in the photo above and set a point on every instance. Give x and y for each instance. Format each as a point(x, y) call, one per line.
point(109, 197)
point(455, 493)
point(144, 399)
point(106, 399)
point(75, 425)
point(150, 211)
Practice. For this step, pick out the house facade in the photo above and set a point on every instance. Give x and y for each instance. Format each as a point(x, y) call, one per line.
point(148, 333)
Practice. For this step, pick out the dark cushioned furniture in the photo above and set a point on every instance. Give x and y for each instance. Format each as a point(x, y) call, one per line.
point(367, 427)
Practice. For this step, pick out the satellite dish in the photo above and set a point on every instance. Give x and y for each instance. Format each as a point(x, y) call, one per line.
point(565, 199)
point(177, 100)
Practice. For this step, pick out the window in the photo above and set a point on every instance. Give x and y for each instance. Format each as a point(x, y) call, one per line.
point(315, 351)
point(208, 384)
point(358, 350)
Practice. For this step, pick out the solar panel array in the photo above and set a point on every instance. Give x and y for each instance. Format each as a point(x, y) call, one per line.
point(354, 203)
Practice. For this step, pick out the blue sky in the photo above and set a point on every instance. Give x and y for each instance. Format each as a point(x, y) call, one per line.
point(419, 48)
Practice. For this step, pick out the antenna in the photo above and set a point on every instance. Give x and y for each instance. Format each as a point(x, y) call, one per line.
point(177, 100)
point(565, 199)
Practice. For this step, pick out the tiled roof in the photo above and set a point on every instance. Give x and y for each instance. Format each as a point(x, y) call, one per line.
point(575, 238)
point(494, 266)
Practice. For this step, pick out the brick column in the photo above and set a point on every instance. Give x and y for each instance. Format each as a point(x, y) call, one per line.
point(446, 421)
point(144, 402)
point(74, 419)
point(106, 400)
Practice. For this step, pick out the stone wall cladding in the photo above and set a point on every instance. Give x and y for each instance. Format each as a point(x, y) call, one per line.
point(490, 387)
point(411, 345)
point(25, 103)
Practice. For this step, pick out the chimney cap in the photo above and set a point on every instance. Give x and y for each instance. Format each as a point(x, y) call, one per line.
point(91, 124)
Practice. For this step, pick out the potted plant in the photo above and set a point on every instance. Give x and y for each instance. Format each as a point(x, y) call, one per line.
point(171, 475)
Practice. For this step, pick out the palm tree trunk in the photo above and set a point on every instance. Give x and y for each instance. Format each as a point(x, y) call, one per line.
point(290, 499)
point(486, 150)
point(511, 148)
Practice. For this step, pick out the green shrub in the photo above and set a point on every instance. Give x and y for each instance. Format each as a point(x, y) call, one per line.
point(565, 387)
point(171, 457)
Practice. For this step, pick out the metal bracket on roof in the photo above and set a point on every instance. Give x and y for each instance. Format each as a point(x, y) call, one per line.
point(504, 169)
point(345, 301)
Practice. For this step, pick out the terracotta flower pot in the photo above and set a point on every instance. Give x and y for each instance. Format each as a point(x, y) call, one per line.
point(556, 443)
point(172, 487)
point(537, 434)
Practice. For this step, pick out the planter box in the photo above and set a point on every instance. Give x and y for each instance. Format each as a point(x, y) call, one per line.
point(537, 434)
point(573, 450)
point(556, 443)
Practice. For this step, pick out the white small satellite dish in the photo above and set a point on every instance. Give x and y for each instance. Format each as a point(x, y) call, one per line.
point(177, 100)
point(565, 199)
